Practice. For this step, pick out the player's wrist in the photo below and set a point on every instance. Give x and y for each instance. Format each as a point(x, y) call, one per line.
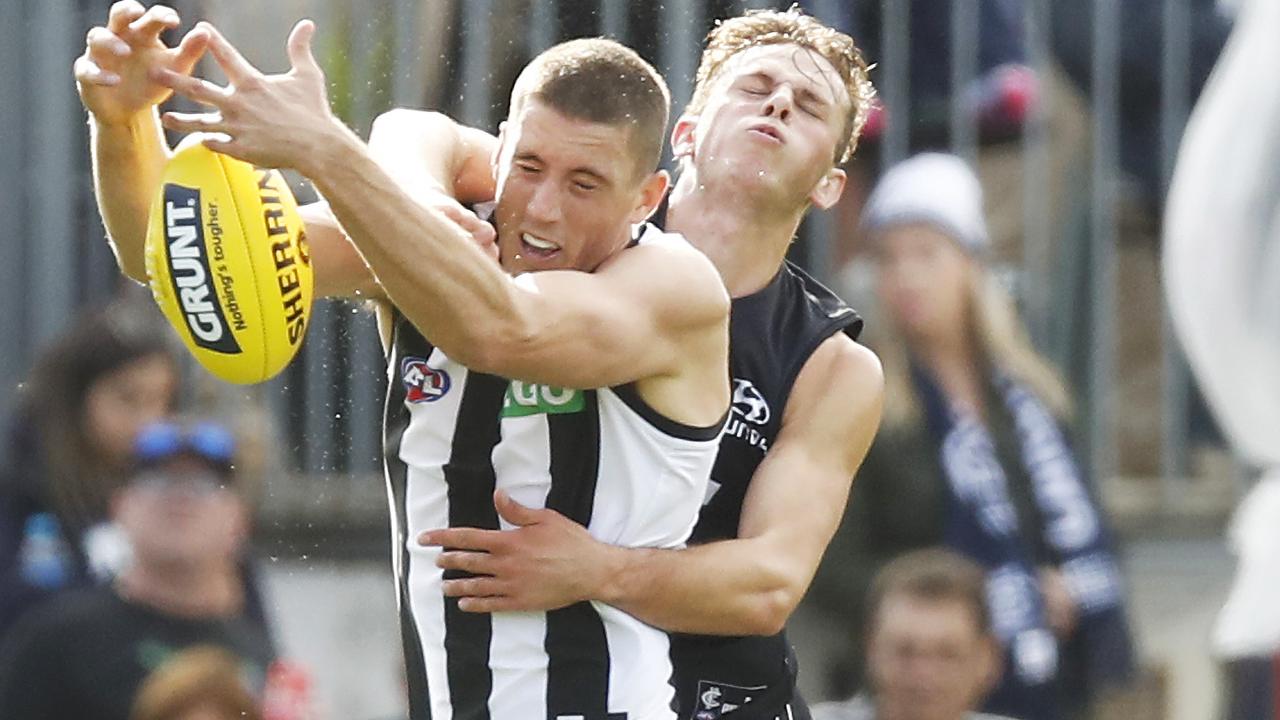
point(613, 568)
point(333, 146)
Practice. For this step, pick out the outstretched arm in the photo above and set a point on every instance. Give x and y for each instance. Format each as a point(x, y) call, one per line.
point(572, 329)
point(127, 146)
point(116, 77)
point(745, 586)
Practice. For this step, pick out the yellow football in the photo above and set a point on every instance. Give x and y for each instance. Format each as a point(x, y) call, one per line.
point(228, 264)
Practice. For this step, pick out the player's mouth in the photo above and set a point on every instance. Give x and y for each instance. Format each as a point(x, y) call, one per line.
point(768, 132)
point(535, 247)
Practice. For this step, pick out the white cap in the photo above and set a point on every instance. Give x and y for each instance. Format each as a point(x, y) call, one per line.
point(933, 188)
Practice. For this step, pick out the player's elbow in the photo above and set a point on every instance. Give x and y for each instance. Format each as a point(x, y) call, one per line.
point(403, 123)
point(134, 268)
point(496, 347)
point(774, 602)
point(770, 612)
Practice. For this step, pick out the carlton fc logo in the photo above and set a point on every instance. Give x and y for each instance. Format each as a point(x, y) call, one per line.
point(749, 403)
point(423, 383)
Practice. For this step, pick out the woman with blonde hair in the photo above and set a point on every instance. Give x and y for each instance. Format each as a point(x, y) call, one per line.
point(973, 453)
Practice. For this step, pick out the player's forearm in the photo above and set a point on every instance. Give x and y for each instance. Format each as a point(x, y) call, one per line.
point(727, 587)
point(128, 163)
point(429, 267)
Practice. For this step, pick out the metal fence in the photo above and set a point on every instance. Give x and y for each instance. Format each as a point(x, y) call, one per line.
point(461, 57)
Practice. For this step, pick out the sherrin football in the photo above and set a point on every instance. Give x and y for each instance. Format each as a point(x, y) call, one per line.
point(228, 265)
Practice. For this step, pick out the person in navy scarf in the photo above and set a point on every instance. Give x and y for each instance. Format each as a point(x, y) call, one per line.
point(973, 454)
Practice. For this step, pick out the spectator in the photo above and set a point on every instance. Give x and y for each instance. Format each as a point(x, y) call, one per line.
point(199, 683)
point(930, 652)
point(972, 455)
point(86, 654)
point(89, 393)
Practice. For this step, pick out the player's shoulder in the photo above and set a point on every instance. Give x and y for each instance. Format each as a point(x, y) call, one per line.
point(673, 270)
point(843, 368)
point(824, 306)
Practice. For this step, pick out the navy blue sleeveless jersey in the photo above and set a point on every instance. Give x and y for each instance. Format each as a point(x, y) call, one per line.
point(772, 334)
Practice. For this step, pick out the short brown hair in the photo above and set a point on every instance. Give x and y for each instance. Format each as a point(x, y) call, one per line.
point(776, 27)
point(932, 574)
point(601, 81)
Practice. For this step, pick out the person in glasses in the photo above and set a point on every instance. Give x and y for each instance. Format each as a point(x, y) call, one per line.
point(186, 518)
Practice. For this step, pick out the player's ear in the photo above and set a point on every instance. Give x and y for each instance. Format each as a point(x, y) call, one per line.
point(683, 137)
point(497, 148)
point(828, 190)
point(652, 190)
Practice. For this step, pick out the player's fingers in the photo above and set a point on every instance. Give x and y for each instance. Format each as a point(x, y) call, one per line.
point(101, 42)
point(90, 73)
point(189, 50)
point(482, 586)
point(515, 513)
point(194, 122)
point(154, 21)
point(476, 563)
point(491, 604)
point(238, 69)
point(300, 47)
point(480, 231)
point(222, 143)
point(122, 13)
point(461, 538)
point(200, 90)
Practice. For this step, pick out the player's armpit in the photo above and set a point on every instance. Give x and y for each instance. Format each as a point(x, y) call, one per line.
point(635, 317)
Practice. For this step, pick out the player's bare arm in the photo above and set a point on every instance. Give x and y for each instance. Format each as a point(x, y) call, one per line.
point(128, 147)
point(619, 324)
point(115, 78)
point(430, 151)
point(745, 586)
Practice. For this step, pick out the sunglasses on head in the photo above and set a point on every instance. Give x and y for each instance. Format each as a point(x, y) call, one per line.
point(207, 442)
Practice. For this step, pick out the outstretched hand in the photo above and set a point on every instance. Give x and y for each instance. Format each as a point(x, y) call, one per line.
point(115, 73)
point(268, 120)
point(546, 562)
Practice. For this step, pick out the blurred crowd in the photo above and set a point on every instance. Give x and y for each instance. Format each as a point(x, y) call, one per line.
point(975, 570)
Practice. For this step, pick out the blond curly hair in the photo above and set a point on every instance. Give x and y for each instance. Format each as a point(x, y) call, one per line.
point(792, 26)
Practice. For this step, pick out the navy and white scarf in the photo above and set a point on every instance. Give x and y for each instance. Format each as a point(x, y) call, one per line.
point(983, 524)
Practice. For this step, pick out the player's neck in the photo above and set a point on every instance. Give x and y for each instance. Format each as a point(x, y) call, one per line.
point(184, 592)
point(746, 244)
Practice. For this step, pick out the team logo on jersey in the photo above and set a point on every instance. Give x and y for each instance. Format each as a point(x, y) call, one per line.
point(423, 383)
point(716, 699)
point(749, 402)
point(532, 399)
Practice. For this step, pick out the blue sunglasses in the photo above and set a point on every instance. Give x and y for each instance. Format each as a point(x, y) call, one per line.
point(206, 441)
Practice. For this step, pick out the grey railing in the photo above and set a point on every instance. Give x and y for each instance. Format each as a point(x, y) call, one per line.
point(461, 57)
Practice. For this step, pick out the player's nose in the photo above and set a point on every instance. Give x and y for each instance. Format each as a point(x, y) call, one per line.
point(779, 103)
point(544, 204)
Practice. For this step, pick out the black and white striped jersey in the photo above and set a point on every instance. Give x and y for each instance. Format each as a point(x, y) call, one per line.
point(603, 458)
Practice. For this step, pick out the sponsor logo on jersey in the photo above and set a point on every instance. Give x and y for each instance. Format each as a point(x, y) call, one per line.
point(716, 699)
point(750, 413)
point(423, 383)
point(193, 283)
point(532, 399)
point(749, 402)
